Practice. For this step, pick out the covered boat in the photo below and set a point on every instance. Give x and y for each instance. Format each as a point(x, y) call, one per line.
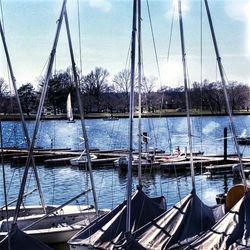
point(108, 231)
point(231, 232)
point(19, 240)
point(178, 226)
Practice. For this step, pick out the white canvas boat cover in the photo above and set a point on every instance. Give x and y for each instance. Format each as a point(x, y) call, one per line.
point(106, 232)
point(231, 232)
point(178, 226)
point(21, 241)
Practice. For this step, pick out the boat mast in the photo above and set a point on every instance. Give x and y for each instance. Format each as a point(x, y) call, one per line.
point(76, 80)
point(231, 123)
point(184, 63)
point(139, 92)
point(24, 126)
point(39, 112)
point(131, 120)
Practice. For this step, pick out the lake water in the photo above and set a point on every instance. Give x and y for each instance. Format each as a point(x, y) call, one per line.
point(61, 183)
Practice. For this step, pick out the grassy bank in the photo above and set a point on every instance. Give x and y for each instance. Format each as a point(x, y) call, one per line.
point(165, 113)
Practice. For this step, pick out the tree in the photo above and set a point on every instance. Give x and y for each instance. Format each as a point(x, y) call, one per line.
point(238, 95)
point(28, 98)
point(122, 85)
point(4, 96)
point(3, 88)
point(59, 86)
point(94, 85)
point(148, 85)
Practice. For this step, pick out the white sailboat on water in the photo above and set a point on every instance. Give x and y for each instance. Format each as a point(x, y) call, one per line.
point(69, 110)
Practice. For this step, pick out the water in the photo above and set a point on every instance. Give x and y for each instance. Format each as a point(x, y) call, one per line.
point(62, 183)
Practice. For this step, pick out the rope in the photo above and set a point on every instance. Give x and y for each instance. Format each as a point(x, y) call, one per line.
point(79, 37)
point(152, 32)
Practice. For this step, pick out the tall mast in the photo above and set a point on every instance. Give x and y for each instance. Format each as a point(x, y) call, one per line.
point(231, 123)
point(184, 63)
point(139, 92)
point(131, 119)
point(39, 112)
point(24, 126)
point(76, 80)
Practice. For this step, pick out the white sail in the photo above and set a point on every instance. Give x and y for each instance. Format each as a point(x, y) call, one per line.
point(69, 109)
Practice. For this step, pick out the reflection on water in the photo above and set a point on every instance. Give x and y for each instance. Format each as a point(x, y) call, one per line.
point(207, 131)
point(59, 184)
point(62, 183)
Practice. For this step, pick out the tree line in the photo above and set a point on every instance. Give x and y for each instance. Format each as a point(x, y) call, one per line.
point(100, 94)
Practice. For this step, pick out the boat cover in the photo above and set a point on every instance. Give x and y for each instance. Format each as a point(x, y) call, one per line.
point(22, 241)
point(178, 226)
point(231, 232)
point(106, 232)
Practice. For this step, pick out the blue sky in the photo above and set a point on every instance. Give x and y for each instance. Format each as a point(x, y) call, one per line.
point(106, 32)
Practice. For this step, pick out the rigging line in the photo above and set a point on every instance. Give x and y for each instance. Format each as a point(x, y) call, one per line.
point(153, 37)
point(201, 75)
point(4, 182)
point(168, 56)
point(128, 57)
point(2, 18)
point(79, 36)
point(12, 177)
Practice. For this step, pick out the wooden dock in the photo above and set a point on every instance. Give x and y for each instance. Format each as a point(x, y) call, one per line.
point(105, 158)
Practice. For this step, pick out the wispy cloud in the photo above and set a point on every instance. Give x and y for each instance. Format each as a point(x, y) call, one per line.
point(239, 10)
point(236, 9)
point(103, 5)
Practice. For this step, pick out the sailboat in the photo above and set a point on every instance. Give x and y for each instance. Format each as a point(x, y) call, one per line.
point(109, 231)
point(70, 110)
point(60, 222)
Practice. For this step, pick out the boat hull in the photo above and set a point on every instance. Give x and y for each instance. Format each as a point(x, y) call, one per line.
point(56, 228)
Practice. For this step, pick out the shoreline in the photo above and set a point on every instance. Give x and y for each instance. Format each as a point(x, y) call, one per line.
point(11, 117)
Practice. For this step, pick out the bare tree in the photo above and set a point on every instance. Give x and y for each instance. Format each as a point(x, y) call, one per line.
point(4, 90)
point(148, 85)
point(122, 85)
point(95, 83)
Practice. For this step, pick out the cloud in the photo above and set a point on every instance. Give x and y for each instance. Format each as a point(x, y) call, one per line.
point(103, 5)
point(239, 10)
point(236, 9)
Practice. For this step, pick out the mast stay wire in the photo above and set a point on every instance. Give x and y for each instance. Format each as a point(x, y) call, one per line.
point(201, 79)
point(157, 63)
point(156, 56)
point(79, 36)
point(168, 56)
point(153, 37)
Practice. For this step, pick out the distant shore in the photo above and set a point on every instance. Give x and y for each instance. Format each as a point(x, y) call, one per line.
point(157, 114)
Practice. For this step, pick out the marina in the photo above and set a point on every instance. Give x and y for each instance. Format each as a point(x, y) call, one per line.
point(179, 182)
